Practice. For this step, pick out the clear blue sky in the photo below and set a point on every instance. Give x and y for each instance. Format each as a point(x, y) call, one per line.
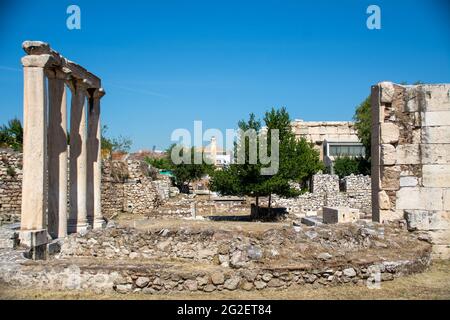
point(167, 63)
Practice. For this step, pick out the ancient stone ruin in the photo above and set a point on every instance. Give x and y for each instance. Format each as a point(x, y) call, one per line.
point(411, 158)
point(202, 242)
point(45, 148)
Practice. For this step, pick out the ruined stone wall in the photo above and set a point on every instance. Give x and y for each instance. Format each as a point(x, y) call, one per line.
point(356, 183)
point(411, 159)
point(325, 183)
point(325, 191)
point(10, 185)
point(126, 187)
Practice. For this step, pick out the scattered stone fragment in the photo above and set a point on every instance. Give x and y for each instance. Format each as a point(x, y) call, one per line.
point(217, 278)
point(324, 256)
point(142, 282)
point(349, 272)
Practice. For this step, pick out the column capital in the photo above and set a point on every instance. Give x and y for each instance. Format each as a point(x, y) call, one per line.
point(57, 73)
point(77, 85)
point(98, 93)
point(40, 61)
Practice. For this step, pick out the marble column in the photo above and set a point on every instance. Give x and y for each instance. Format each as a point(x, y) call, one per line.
point(94, 172)
point(57, 154)
point(34, 200)
point(78, 158)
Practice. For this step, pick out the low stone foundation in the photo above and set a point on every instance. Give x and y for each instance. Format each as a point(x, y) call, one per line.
point(204, 259)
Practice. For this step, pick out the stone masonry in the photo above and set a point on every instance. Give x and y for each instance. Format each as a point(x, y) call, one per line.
point(326, 190)
point(126, 187)
point(411, 159)
point(10, 186)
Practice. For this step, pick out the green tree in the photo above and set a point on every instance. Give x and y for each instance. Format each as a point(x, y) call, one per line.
point(11, 135)
point(122, 144)
point(182, 173)
point(363, 124)
point(297, 162)
point(345, 166)
point(159, 163)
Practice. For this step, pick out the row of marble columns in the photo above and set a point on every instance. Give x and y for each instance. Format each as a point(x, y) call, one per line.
point(45, 153)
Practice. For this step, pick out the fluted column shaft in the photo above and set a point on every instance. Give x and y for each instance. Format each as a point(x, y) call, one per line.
point(33, 224)
point(95, 216)
point(78, 159)
point(57, 154)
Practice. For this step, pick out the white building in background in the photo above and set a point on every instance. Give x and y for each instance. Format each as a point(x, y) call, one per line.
point(219, 156)
point(333, 139)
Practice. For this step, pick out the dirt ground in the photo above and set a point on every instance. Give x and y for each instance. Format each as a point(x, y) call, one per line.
point(432, 284)
point(174, 223)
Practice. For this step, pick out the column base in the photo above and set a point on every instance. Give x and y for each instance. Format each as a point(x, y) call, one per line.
point(37, 241)
point(99, 224)
point(78, 227)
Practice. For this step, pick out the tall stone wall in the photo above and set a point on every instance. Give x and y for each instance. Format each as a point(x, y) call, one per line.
point(10, 185)
point(411, 159)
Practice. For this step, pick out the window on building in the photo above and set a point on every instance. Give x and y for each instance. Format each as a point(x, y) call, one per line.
point(346, 150)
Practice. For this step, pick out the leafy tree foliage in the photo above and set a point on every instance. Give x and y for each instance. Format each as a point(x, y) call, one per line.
point(363, 124)
point(11, 135)
point(159, 163)
point(121, 144)
point(345, 166)
point(183, 173)
point(298, 161)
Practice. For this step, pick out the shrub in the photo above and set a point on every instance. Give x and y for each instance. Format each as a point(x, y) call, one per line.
point(346, 166)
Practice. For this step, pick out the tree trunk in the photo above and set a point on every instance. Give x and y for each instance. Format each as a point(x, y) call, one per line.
point(257, 206)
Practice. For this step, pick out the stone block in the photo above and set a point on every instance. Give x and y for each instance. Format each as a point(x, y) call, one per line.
point(436, 134)
point(438, 153)
point(389, 215)
point(390, 178)
point(440, 237)
point(311, 221)
point(412, 101)
point(388, 154)
point(384, 202)
point(409, 181)
point(408, 154)
point(339, 215)
point(437, 176)
point(440, 251)
point(436, 97)
point(387, 92)
point(33, 238)
point(427, 220)
point(416, 198)
point(36, 241)
point(389, 133)
point(435, 118)
point(446, 197)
